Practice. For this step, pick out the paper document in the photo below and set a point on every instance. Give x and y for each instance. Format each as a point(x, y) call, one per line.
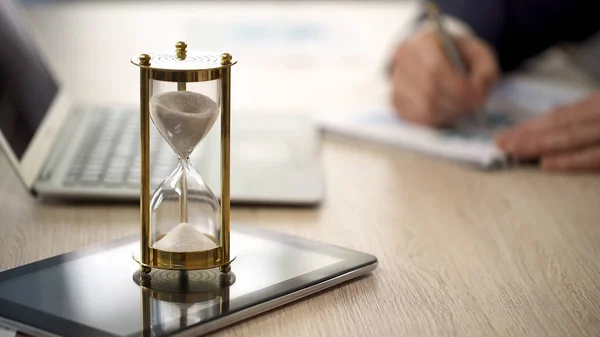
point(470, 141)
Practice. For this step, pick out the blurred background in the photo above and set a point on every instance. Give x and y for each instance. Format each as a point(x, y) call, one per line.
point(289, 52)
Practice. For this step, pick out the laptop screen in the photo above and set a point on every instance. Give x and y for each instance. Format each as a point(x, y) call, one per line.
point(26, 87)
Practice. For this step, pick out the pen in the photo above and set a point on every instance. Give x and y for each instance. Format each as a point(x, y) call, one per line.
point(449, 47)
point(446, 40)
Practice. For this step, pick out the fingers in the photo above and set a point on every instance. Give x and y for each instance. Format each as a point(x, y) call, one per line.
point(440, 74)
point(586, 110)
point(568, 139)
point(411, 106)
point(442, 101)
point(567, 128)
point(484, 69)
point(422, 107)
point(584, 160)
point(531, 144)
point(555, 120)
point(427, 88)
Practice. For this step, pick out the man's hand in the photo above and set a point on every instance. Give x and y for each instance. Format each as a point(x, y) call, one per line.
point(567, 139)
point(426, 87)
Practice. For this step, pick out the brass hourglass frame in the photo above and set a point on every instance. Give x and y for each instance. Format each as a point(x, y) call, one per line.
point(150, 257)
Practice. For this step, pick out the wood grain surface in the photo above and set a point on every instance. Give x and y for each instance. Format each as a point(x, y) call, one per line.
point(461, 252)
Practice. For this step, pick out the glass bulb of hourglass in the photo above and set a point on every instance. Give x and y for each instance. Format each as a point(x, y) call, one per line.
point(183, 203)
point(183, 118)
point(184, 200)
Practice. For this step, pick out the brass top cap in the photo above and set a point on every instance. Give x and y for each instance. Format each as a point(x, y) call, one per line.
point(184, 59)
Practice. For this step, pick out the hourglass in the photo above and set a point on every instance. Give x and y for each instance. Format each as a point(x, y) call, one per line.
point(183, 224)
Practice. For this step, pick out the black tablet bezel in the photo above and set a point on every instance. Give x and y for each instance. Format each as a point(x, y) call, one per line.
point(351, 260)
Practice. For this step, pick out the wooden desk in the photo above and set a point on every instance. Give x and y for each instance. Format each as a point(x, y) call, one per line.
point(462, 253)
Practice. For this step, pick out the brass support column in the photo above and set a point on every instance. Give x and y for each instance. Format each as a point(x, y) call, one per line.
point(225, 159)
point(145, 162)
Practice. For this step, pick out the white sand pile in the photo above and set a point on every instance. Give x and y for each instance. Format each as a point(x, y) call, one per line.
point(184, 238)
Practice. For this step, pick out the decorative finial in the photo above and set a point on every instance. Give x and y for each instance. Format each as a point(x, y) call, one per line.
point(144, 60)
point(181, 50)
point(226, 58)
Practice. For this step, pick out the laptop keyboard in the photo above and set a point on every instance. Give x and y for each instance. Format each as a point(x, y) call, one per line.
point(109, 155)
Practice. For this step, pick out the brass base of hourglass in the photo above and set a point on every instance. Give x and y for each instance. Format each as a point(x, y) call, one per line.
point(206, 259)
point(185, 286)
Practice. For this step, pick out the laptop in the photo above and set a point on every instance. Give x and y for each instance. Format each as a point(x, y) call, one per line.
point(63, 149)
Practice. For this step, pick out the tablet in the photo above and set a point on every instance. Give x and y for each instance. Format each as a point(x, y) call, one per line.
point(96, 292)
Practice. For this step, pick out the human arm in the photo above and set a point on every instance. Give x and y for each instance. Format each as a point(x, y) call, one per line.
point(520, 29)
